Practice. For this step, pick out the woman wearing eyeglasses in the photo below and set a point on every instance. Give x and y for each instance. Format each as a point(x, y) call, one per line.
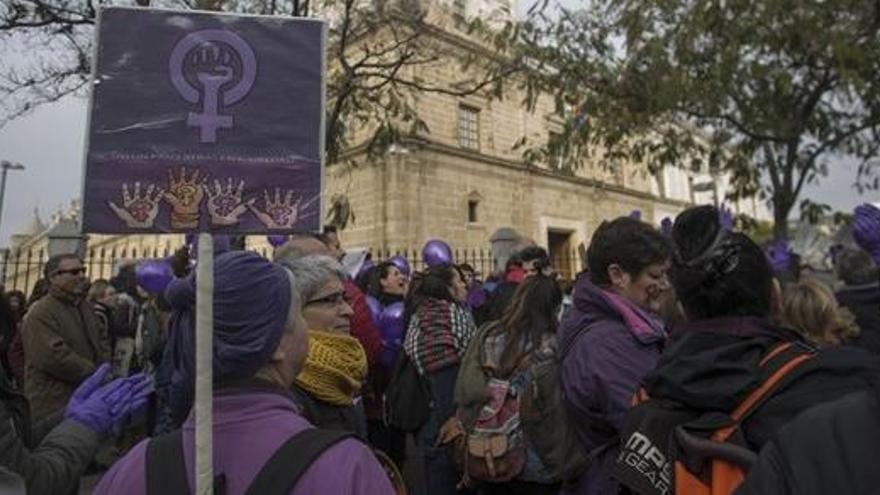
point(336, 365)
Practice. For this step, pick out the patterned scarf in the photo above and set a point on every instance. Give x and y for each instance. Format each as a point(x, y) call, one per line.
point(335, 368)
point(438, 335)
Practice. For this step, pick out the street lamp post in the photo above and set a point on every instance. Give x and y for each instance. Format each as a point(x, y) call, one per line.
point(6, 166)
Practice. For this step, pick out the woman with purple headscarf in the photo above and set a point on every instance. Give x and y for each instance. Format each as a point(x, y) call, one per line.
point(260, 345)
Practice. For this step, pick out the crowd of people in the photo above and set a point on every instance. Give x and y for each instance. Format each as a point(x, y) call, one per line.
point(685, 358)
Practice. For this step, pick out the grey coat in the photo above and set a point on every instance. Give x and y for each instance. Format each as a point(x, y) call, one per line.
point(54, 466)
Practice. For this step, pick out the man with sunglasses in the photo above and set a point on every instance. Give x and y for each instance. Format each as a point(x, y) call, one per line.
point(62, 340)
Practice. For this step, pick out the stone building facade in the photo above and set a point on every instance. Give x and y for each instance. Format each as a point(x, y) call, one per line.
point(464, 178)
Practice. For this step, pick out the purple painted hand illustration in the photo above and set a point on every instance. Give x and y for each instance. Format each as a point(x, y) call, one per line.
point(277, 213)
point(185, 194)
point(138, 210)
point(225, 203)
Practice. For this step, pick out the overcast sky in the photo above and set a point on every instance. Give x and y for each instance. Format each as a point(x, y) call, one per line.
point(49, 142)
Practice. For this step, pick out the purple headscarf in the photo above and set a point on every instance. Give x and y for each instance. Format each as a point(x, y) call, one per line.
point(251, 305)
point(252, 299)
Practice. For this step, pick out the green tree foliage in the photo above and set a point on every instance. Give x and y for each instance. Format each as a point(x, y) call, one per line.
point(775, 92)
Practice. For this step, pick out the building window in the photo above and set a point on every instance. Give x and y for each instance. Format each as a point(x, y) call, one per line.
point(473, 204)
point(556, 150)
point(468, 127)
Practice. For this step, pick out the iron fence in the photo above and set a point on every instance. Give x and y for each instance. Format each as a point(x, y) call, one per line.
point(567, 263)
point(21, 270)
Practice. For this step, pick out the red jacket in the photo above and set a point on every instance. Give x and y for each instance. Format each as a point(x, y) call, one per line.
point(362, 326)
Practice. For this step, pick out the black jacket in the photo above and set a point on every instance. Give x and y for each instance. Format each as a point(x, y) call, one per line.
point(709, 369)
point(711, 366)
point(328, 416)
point(55, 465)
point(830, 449)
point(864, 302)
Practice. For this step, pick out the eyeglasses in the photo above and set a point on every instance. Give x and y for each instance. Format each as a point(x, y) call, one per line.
point(72, 271)
point(334, 299)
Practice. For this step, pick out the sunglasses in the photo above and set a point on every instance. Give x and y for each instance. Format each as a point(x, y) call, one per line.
point(71, 271)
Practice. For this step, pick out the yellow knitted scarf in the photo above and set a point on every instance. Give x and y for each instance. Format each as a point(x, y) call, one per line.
point(335, 368)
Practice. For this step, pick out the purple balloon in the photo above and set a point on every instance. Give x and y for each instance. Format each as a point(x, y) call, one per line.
point(153, 275)
point(436, 253)
point(276, 239)
point(636, 214)
point(666, 226)
point(866, 229)
point(375, 309)
point(391, 323)
point(401, 264)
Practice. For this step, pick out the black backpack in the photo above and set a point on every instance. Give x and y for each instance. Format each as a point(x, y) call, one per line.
point(166, 469)
point(670, 448)
point(407, 400)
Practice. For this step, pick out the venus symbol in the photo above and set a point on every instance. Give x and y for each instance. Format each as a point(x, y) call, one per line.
point(217, 68)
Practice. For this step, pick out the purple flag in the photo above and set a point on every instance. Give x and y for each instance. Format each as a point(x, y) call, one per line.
point(205, 122)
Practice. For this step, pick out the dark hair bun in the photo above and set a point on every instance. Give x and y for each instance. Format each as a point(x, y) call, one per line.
point(716, 272)
point(694, 232)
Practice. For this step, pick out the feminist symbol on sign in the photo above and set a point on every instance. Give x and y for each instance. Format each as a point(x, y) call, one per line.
point(217, 67)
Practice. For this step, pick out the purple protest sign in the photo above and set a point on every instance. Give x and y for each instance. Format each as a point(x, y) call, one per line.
point(205, 122)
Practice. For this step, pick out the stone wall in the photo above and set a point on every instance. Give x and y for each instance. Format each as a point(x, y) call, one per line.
point(411, 196)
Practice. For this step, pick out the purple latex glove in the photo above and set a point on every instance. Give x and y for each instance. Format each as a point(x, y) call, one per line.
point(866, 229)
point(101, 407)
point(666, 227)
point(780, 255)
point(725, 218)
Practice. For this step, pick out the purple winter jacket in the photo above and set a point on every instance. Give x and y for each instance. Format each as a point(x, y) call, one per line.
point(603, 369)
point(249, 426)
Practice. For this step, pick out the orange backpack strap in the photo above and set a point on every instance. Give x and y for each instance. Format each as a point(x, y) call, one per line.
point(730, 462)
point(777, 365)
